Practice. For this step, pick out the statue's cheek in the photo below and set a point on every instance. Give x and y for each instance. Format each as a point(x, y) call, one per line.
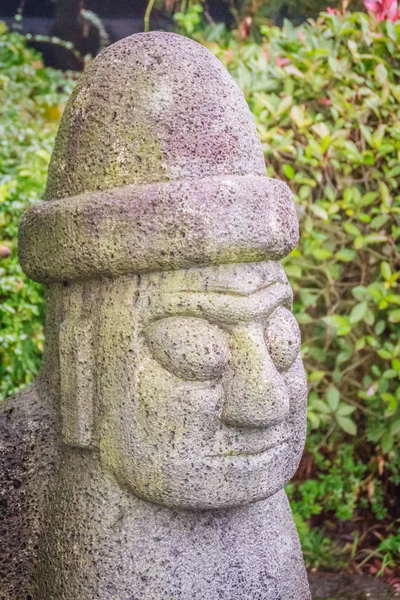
point(169, 409)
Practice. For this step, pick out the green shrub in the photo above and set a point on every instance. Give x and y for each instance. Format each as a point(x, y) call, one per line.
point(325, 97)
point(30, 101)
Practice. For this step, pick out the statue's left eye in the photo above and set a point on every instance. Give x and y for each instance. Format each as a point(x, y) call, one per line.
point(189, 347)
point(282, 337)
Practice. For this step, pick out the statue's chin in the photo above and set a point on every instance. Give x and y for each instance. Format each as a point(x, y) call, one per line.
point(215, 482)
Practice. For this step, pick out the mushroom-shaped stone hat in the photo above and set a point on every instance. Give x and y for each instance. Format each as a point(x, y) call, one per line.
point(157, 165)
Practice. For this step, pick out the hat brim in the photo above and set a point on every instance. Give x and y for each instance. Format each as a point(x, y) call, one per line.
point(162, 226)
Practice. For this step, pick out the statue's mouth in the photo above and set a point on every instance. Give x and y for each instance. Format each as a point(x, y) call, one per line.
point(246, 453)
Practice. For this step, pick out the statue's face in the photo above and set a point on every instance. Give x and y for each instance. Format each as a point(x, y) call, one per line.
point(205, 395)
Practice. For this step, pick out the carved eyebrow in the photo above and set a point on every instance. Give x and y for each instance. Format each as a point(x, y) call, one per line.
point(226, 307)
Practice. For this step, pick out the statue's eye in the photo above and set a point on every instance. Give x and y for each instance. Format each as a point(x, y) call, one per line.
point(189, 347)
point(282, 337)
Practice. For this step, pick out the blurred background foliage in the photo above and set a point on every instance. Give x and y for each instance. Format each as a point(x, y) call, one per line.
point(325, 96)
point(31, 101)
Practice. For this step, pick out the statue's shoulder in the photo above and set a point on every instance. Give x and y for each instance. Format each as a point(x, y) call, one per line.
point(28, 457)
point(21, 405)
point(26, 424)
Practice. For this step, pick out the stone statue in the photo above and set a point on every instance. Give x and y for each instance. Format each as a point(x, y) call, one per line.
point(149, 459)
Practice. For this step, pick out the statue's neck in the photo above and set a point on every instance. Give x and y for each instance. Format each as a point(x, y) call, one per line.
point(107, 543)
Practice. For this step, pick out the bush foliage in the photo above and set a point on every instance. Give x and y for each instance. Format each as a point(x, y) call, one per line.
point(326, 97)
point(31, 98)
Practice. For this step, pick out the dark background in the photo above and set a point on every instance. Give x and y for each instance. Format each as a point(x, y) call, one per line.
point(106, 9)
point(63, 19)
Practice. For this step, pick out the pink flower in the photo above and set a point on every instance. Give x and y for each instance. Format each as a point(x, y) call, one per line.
point(229, 54)
point(281, 62)
point(300, 35)
point(383, 9)
point(333, 11)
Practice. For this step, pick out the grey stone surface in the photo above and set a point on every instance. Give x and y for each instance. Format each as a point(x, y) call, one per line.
point(148, 461)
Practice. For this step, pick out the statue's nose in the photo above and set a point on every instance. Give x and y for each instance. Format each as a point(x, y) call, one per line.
point(255, 392)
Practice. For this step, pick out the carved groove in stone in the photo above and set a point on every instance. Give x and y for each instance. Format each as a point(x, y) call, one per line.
point(77, 390)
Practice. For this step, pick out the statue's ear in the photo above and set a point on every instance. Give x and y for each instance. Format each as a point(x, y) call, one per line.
point(77, 385)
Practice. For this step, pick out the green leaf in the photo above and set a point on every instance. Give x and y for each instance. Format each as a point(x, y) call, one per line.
point(393, 298)
point(390, 374)
point(358, 312)
point(369, 198)
point(381, 74)
point(304, 318)
point(366, 131)
point(374, 238)
point(371, 341)
point(345, 410)
point(368, 157)
point(360, 343)
point(394, 316)
point(345, 255)
point(322, 253)
point(316, 375)
point(360, 293)
point(293, 271)
point(386, 443)
point(379, 221)
point(298, 116)
point(341, 324)
point(386, 270)
point(319, 211)
point(333, 397)
point(380, 327)
point(384, 354)
point(351, 229)
point(313, 419)
point(359, 243)
point(347, 424)
point(395, 427)
point(288, 171)
point(321, 129)
point(389, 399)
point(396, 364)
point(285, 104)
point(385, 194)
point(321, 406)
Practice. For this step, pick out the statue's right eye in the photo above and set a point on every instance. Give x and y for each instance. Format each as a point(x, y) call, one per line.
point(282, 337)
point(189, 347)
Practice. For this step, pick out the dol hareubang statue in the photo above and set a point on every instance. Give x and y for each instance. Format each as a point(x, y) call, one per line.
point(148, 461)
